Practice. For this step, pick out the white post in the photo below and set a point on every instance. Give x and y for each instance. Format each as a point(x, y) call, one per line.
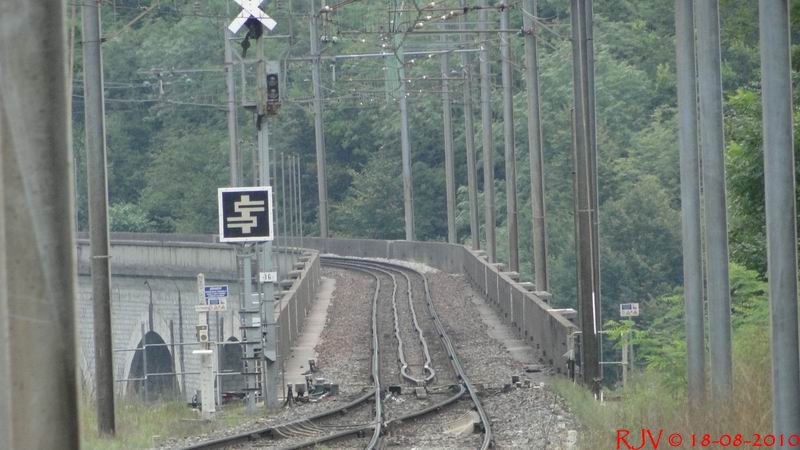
point(207, 402)
point(624, 360)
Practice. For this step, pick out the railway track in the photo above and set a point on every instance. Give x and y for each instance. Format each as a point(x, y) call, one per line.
point(413, 322)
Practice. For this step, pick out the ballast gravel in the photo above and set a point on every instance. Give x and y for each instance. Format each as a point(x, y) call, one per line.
point(523, 416)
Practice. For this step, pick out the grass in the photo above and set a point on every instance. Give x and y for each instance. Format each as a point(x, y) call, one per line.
point(648, 403)
point(146, 425)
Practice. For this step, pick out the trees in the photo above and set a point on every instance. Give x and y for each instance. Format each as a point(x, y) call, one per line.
point(168, 137)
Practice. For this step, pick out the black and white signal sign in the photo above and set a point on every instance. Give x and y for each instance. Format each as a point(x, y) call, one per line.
point(250, 8)
point(245, 214)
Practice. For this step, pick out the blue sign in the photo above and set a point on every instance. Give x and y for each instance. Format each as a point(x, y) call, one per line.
point(216, 295)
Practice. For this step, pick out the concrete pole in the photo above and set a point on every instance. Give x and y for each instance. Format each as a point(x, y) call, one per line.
point(319, 135)
point(449, 172)
point(690, 203)
point(535, 148)
point(713, 169)
point(268, 333)
point(233, 132)
point(486, 134)
point(38, 363)
point(779, 173)
point(591, 124)
point(469, 136)
point(6, 401)
point(408, 186)
point(591, 130)
point(508, 139)
point(98, 216)
point(588, 296)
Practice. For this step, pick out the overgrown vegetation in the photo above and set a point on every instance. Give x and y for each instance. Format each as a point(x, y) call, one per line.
point(148, 425)
point(656, 396)
point(167, 133)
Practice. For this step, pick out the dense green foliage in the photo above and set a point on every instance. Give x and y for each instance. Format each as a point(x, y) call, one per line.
point(168, 143)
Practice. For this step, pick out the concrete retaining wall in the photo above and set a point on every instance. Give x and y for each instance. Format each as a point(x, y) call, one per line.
point(184, 255)
point(296, 302)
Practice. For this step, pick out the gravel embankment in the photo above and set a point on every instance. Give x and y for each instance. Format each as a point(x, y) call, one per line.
point(522, 417)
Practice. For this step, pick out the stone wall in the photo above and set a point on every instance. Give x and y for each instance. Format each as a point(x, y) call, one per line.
point(154, 290)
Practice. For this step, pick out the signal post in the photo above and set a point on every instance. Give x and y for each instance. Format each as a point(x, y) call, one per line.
point(246, 216)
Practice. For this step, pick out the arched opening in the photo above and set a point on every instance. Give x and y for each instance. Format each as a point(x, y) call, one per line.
point(231, 362)
point(160, 382)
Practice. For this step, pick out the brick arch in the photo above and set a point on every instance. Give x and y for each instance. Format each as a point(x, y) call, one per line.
point(160, 327)
point(156, 360)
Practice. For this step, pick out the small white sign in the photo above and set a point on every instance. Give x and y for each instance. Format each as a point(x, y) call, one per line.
point(207, 308)
point(267, 277)
point(250, 8)
point(256, 321)
point(629, 310)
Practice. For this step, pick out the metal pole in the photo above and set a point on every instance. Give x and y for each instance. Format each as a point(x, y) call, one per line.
point(233, 136)
point(318, 129)
point(290, 189)
point(449, 173)
point(249, 338)
point(408, 187)
point(469, 136)
point(180, 340)
point(300, 200)
point(298, 218)
point(277, 213)
point(690, 203)
point(98, 216)
point(267, 302)
point(508, 139)
point(144, 366)
point(254, 166)
point(535, 148)
point(284, 213)
point(294, 203)
point(779, 173)
point(486, 135)
point(713, 169)
point(587, 293)
point(37, 261)
point(624, 360)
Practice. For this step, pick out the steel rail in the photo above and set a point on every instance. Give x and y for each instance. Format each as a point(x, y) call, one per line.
point(466, 385)
point(280, 429)
point(369, 267)
point(427, 365)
